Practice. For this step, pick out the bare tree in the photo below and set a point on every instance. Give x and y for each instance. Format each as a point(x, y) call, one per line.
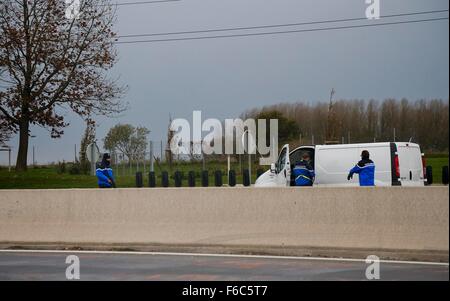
point(389, 119)
point(55, 61)
point(405, 121)
point(372, 119)
point(425, 121)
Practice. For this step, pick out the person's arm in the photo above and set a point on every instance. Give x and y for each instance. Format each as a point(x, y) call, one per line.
point(357, 169)
point(101, 176)
point(111, 177)
point(110, 174)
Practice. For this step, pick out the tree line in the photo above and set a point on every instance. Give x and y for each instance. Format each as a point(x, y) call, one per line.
point(356, 121)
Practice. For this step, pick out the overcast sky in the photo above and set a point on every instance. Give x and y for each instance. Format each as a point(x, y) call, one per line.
point(224, 77)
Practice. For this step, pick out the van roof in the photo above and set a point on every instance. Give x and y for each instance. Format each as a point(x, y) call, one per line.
point(358, 145)
point(362, 145)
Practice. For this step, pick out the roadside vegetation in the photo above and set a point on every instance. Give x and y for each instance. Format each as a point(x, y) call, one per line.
point(437, 162)
point(57, 176)
point(360, 121)
point(63, 175)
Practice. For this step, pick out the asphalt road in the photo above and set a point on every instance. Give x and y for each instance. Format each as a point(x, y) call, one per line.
point(25, 265)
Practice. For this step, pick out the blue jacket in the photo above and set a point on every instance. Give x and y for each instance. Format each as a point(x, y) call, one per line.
point(366, 170)
point(103, 174)
point(303, 173)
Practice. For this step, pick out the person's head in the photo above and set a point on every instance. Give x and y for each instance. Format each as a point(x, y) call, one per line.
point(305, 157)
point(365, 154)
point(106, 160)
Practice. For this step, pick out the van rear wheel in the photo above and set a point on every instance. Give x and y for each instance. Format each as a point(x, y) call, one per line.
point(429, 173)
point(445, 175)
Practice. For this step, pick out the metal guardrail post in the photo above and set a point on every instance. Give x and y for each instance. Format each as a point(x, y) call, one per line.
point(152, 168)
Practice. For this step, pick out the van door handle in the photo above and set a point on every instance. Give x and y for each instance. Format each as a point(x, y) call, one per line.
point(410, 175)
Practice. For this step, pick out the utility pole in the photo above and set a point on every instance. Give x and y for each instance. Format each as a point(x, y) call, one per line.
point(170, 135)
point(247, 148)
point(92, 160)
point(34, 162)
point(203, 156)
point(331, 94)
point(228, 165)
point(331, 121)
point(151, 157)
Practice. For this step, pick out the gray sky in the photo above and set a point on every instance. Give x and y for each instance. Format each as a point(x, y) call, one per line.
point(224, 77)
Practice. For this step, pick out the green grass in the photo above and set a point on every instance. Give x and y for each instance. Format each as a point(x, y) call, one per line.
point(437, 164)
point(49, 178)
point(42, 178)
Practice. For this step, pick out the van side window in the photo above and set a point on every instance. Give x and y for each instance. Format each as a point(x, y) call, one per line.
point(296, 156)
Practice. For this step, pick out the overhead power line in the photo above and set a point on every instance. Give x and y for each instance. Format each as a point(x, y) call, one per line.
point(276, 25)
point(282, 32)
point(143, 2)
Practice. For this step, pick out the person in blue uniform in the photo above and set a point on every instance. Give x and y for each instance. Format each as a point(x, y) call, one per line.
point(366, 170)
point(104, 173)
point(303, 172)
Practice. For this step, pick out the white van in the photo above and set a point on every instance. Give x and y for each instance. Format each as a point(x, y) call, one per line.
point(396, 164)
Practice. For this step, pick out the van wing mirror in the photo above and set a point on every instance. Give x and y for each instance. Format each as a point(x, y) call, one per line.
point(273, 168)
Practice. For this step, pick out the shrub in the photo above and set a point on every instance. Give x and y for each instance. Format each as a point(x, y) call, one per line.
point(85, 167)
point(61, 167)
point(75, 169)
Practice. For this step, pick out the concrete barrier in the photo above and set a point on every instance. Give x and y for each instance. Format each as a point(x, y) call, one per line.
point(395, 218)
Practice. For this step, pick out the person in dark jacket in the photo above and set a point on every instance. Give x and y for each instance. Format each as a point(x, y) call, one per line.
point(366, 170)
point(303, 172)
point(104, 173)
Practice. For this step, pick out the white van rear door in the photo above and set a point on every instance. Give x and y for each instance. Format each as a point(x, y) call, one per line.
point(410, 161)
point(415, 161)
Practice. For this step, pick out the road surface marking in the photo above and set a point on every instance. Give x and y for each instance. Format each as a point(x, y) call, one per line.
point(223, 255)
